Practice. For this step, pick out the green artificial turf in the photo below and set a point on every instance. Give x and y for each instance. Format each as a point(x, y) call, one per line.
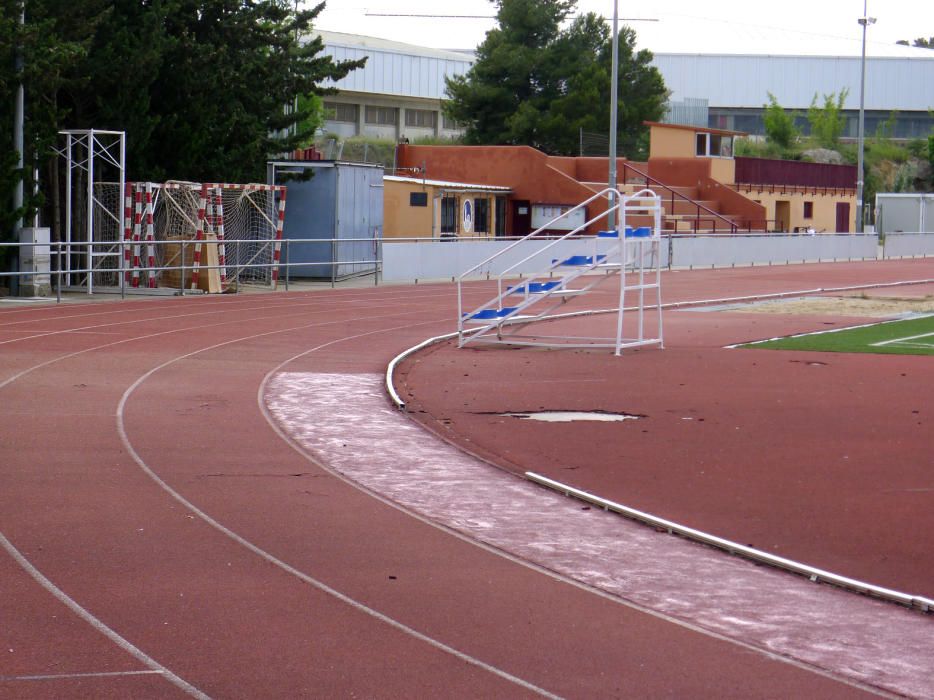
point(913, 336)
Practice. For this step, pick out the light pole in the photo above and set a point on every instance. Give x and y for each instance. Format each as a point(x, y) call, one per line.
point(864, 21)
point(614, 100)
point(18, 118)
point(614, 79)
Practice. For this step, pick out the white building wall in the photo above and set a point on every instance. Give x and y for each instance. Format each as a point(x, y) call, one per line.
point(403, 75)
point(903, 84)
point(393, 68)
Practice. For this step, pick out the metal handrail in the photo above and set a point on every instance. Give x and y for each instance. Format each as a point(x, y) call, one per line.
point(606, 192)
point(649, 179)
point(599, 194)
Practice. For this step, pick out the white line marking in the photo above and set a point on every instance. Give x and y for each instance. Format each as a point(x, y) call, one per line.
point(70, 676)
point(302, 576)
point(341, 420)
point(905, 340)
point(813, 573)
point(9, 546)
point(86, 615)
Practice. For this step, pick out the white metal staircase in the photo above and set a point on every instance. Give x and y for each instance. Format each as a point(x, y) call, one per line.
point(629, 253)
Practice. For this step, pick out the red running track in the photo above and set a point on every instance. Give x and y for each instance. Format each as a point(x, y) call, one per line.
point(824, 458)
point(161, 539)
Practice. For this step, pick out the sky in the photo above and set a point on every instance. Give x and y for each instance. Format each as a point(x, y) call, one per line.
point(799, 27)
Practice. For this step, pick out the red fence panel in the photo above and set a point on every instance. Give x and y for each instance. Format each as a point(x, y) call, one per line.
point(769, 171)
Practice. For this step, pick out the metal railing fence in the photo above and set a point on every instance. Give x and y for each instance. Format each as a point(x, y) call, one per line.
point(329, 261)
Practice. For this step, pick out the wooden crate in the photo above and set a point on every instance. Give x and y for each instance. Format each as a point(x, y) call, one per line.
point(209, 280)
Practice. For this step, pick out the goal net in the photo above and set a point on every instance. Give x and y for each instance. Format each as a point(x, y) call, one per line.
point(209, 236)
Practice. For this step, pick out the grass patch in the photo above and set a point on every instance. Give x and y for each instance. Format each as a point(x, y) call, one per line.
point(913, 336)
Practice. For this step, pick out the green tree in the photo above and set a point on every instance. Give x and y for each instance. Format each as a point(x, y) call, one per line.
point(780, 126)
point(535, 83)
point(199, 86)
point(827, 122)
point(920, 42)
point(50, 46)
point(203, 92)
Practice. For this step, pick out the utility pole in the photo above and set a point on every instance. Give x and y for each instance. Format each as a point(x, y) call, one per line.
point(614, 105)
point(18, 118)
point(864, 21)
point(614, 99)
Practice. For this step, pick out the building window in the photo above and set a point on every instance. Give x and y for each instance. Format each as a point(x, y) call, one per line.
point(424, 118)
point(481, 215)
point(713, 146)
point(418, 199)
point(339, 112)
point(448, 215)
point(381, 115)
point(449, 124)
point(809, 210)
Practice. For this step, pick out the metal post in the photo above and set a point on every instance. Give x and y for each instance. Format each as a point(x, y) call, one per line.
point(287, 268)
point(614, 79)
point(18, 119)
point(864, 21)
point(121, 263)
point(69, 194)
point(58, 285)
point(181, 274)
point(89, 250)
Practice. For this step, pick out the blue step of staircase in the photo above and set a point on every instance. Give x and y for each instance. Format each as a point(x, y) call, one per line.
point(535, 287)
point(641, 232)
point(578, 260)
point(490, 314)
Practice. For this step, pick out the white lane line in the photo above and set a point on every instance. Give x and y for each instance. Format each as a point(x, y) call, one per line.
point(186, 329)
point(213, 311)
point(88, 617)
point(905, 340)
point(213, 307)
point(72, 676)
point(9, 546)
point(342, 420)
point(260, 552)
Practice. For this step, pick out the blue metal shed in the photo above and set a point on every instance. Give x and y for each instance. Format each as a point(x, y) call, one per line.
point(333, 221)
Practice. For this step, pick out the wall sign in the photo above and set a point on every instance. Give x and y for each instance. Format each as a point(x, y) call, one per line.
point(544, 213)
point(467, 219)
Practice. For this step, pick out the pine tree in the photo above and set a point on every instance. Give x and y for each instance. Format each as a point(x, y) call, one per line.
point(536, 83)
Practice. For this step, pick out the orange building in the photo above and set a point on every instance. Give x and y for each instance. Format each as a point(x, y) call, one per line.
point(704, 188)
point(421, 208)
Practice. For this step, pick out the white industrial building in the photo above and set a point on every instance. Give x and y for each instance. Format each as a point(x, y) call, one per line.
point(398, 93)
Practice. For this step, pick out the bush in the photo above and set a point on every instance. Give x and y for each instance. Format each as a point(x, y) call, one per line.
point(780, 126)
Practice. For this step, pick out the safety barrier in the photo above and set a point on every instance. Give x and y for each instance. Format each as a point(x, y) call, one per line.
point(418, 260)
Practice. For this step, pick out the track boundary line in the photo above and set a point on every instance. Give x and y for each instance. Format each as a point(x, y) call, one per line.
point(391, 367)
point(72, 676)
point(565, 578)
point(815, 575)
point(272, 559)
point(89, 617)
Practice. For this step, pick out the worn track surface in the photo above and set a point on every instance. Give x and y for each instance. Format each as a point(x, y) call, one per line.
point(165, 534)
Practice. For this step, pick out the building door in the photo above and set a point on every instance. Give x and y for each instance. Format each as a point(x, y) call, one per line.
point(843, 217)
point(500, 216)
point(521, 217)
point(783, 215)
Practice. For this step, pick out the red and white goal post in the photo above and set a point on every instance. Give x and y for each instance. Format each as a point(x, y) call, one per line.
point(210, 236)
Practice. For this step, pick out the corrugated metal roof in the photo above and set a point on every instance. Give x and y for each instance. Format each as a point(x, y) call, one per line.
point(446, 184)
point(904, 84)
point(393, 68)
